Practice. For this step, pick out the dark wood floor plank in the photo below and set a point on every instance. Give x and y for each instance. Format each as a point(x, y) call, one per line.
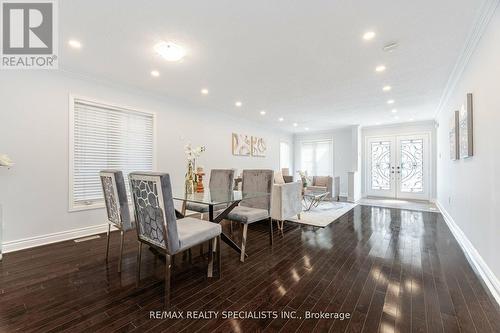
point(391, 270)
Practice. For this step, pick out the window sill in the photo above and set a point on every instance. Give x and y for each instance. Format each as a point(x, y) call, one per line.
point(82, 207)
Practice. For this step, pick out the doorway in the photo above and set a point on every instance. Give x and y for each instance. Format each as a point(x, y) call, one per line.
point(398, 166)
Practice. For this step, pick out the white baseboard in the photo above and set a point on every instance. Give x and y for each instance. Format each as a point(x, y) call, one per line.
point(473, 256)
point(26, 243)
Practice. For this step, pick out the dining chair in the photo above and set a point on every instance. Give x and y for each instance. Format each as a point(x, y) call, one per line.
point(254, 209)
point(115, 198)
point(220, 184)
point(158, 227)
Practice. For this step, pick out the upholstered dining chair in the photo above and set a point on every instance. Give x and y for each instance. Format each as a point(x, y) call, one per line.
point(254, 209)
point(115, 198)
point(158, 227)
point(220, 183)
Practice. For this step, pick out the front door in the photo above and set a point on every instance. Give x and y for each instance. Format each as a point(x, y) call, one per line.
point(398, 167)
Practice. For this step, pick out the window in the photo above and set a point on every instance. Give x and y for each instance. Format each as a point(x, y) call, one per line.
point(284, 155)
point(105, 137)
point(316, 157)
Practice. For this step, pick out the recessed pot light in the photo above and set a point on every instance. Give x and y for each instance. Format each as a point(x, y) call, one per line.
point(387, 88)
point(281, 119)
point(263, 112)
point(380, 68)
point(369, 35)
point(155, 73)
point(170, 51)
point(307, 128)
point(411, 119)
point(295, 124)
point(391, 101)
point(204, 91)
point(394, 111)
point(238, 104)
point(75, 44)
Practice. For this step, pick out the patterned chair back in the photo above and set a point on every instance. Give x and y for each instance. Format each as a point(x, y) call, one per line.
point(115, 197)
point(257, 181)
point(154, 210)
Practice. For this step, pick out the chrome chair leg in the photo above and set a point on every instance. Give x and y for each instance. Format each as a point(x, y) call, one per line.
point(218, 256)
point(107, 241)
point(210, 269)
point(139, 254)
point(243, 242)
point(167, 280)
point(121, 252)
point(271, 230)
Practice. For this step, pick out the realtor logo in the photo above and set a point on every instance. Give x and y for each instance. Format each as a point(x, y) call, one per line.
point(29, 34)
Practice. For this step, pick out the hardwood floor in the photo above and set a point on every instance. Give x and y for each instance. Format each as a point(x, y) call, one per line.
point(391, 270)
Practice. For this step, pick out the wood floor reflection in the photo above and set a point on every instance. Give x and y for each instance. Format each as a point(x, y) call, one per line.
point(391, 270)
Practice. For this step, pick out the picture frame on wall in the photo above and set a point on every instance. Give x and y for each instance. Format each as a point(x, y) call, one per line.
point(259, 147)
point(241, 144)
point(466, 133)
point(454, 136)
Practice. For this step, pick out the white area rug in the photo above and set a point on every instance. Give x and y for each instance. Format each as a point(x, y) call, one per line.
point(326, 213)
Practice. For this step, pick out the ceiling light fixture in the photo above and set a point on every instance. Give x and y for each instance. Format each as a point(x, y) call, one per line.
point(396, 117)
point(394, 111)
point(391, 101)
point(295, 124)
point(170, 51)
point(281, 119)
point(155, 73)
point(307, 128)
point(238, 104)
point(263, 113)
point(387, 88)
point(204, 91)
point(75, 44)
point(369, 35)
point(380, 68)
point(411, 119)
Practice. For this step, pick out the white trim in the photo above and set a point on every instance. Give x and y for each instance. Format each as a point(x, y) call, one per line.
point(56, 237)
point(71, 110)
point(486, 13)
point(472, 255)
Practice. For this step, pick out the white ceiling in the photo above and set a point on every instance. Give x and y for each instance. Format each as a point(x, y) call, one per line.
point(301, 60)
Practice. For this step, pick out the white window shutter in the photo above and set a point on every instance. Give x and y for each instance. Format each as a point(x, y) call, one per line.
point(107, 137)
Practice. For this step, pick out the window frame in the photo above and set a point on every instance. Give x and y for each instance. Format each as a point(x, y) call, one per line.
point(72, 207)
point(290, 158)
point(331, 152)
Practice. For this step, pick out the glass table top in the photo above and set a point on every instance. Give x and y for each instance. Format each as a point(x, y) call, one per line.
point(215, 196)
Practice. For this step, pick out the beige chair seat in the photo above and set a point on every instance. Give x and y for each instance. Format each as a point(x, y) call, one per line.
point(195, 231)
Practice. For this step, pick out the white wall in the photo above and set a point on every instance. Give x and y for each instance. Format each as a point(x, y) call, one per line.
point(34, 132)
point(469, 189)
point(342, 151)
point(402, 129)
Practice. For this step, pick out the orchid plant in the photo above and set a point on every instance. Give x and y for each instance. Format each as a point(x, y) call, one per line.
point(5, 161)
point(193, 153)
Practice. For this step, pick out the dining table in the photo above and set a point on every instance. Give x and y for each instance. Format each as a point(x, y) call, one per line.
point(220, 203)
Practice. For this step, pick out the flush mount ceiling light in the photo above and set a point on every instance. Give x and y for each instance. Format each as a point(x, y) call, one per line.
point(369, 35)
point(380, 68)
point(170, 51)
point(263, 113)
point(391, 101)
point(75, 44)
point(387, 88)
point(238, 104)
point(204, 91)
point(155, 73)
point(281, 119)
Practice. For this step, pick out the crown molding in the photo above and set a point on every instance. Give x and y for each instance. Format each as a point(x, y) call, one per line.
point(485, 14)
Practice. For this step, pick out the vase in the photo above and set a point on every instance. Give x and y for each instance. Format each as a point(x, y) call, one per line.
point(190, 178)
